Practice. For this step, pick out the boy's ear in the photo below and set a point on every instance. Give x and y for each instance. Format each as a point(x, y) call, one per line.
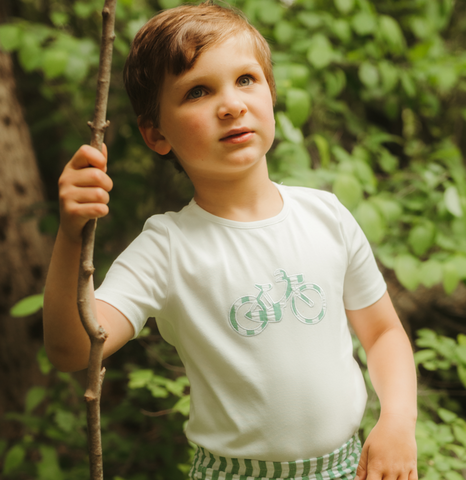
point(154, 139)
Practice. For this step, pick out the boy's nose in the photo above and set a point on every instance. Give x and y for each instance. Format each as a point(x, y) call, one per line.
point(232, 106)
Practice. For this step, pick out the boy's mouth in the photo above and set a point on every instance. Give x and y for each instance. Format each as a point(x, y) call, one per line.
point(237, 135)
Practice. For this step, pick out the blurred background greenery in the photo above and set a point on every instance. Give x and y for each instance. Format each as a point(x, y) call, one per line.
point(371, 105)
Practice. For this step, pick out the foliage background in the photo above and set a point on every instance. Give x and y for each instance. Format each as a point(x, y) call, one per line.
point(371, 105)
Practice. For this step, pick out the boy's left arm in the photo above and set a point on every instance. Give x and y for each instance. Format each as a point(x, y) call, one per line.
point(390, 450)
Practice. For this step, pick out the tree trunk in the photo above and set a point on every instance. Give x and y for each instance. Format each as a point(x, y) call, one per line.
point(24, 251)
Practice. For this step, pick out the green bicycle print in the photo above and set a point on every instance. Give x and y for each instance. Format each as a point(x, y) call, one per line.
point(263, 310)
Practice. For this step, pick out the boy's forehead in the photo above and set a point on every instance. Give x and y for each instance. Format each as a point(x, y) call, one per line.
point(228, 55)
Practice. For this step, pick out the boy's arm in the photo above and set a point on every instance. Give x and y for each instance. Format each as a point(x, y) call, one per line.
point(84, 187)
point(390, 449)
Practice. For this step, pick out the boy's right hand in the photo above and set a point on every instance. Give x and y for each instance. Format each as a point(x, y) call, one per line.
point(83, 190)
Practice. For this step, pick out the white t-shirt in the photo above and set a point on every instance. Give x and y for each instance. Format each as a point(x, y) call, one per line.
point(256, 311)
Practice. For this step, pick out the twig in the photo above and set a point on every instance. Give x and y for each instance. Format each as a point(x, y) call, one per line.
point(156, 414)
point(97, 335)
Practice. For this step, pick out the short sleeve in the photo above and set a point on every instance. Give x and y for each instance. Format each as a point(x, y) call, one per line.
point(137, 282)
point(363, 283)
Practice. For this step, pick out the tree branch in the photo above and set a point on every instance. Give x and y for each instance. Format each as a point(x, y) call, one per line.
point(97, 335)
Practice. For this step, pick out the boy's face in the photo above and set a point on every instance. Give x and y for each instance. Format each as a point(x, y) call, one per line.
point(217, 118)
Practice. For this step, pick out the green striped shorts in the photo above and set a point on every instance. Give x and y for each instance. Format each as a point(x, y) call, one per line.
point(340, 464)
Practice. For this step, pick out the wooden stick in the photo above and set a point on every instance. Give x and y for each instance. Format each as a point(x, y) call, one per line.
point(97, 335)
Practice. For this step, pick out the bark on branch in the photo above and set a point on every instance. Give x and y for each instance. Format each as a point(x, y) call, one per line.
point(97, 335)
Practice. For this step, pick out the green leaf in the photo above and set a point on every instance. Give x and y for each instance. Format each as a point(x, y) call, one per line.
point(157, 390)
point(145, 332)
point(59, 19)
point(296, 155)
point(342, 155)
point(30, 56)
point(453, 476)
point(76, 68)
point(270, 12)
point(387, 161)
point(462, 374)
point(298, 105)
point(28, 306)
point(389, 75)
point(390, 209)
point(323, 147)
point(365, 174)
point(348, 190)
point(407, 271)
point(363, 23)
point(133, 26)
point(83, 10)
point(341, 29)
point(362, 355)
point(156, 384)
point(66, 421)
point(460, 434)
point(422, 237)
point(421, 27)
point(453, 201)
point(335, 82)
point(310, 20)
point(407, 83)
point(446, 415)
point(43, 361)
point(13, 459)
point(424, 356)
point(34, 397)
point(48, 467)
point(140, 378)
point(459, 261)
point(166, 4)
point(182, 405)
point(176, 388)
point(391, 33)
point(430, 273)
point(446, 78)
point(55, 62)
point(291, 75)
point(292, 134)
point(320, 52)
point(371, 221)
point(284, 32)
point(344, 6)
point(10, 37)
point(368, 74)
point(451, 279)
point(458, 226)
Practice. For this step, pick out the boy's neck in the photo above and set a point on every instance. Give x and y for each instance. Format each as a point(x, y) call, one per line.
point(247, 199)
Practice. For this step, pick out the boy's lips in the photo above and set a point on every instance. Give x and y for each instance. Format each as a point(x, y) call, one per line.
point(237, 135)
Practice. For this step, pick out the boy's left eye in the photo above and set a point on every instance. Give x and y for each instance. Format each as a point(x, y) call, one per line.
point(245, 81)
point(196, 92)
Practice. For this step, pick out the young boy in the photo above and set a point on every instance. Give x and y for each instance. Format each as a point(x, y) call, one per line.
point(250, 281)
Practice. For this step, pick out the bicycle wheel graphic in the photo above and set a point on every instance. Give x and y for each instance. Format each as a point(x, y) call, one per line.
point(243, 325)
point(308, 304)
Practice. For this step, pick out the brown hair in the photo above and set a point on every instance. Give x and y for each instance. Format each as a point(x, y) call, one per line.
point(173, 40)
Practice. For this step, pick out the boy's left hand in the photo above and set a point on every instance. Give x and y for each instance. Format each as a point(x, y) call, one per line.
point(390, 451)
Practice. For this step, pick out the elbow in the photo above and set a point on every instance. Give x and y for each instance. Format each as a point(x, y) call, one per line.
point(64, 360)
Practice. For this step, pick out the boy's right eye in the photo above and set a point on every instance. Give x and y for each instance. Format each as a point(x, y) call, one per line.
point(196, 92)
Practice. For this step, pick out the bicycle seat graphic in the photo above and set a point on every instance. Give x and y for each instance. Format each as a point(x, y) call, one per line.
point(307, 304)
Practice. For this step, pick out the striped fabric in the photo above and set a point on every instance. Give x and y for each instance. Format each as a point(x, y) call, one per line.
point(340, 464)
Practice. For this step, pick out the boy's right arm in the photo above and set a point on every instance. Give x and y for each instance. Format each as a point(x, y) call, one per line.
point(83, 191)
